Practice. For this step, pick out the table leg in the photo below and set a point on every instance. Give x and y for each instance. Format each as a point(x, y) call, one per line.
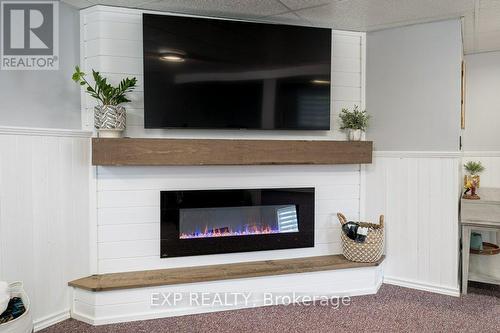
point(466, 230)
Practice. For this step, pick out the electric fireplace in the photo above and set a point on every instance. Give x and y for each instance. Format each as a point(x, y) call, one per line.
point(224, 221)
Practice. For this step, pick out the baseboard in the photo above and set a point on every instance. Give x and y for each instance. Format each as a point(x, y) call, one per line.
point(50, 320)
point(423, 286)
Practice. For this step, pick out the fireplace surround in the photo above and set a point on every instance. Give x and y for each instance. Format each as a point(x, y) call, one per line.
point(197, 222)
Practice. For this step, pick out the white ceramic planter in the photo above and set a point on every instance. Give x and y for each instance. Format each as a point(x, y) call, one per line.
point(110, 120)
point(355, 134)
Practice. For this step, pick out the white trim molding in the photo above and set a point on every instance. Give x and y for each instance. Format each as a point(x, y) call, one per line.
point(50, 320)
point(478, 153)
point(455, 291)
point(5, 130)
point(417, 154)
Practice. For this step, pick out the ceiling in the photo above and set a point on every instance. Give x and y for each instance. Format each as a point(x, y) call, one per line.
point(481, 17)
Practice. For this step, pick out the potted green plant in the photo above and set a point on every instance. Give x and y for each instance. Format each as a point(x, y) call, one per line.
point(109, 114)
point(472, 178)
point(355, 122)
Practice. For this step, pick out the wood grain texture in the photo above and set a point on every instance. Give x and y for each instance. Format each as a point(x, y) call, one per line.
point(130, 151)
point(152, 278)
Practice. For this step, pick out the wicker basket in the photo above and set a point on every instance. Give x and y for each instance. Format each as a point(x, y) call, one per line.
point(369, 251)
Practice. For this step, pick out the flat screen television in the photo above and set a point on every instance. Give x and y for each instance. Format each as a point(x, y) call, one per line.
point(223, 74)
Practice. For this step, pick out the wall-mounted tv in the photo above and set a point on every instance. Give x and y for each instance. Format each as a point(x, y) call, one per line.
point(223, 74)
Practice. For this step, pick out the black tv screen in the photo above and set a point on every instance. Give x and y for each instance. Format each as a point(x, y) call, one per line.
point(210, 73)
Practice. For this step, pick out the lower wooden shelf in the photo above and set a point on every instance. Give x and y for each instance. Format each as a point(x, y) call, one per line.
point(152, 278)
point(132, 151)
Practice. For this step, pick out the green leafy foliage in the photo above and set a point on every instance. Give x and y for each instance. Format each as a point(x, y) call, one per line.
point(354, 119)
point(104, 91)
point(473, 168)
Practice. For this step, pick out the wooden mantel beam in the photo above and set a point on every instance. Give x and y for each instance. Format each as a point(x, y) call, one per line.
point(141, 152)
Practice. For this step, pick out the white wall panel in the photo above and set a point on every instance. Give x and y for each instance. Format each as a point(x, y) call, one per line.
point(128, 201)
point(112, 44)
point(44, 215)
point(419, 197)
point(482, 102)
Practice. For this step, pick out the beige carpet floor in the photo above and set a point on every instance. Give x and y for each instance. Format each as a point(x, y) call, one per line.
point(393, 309)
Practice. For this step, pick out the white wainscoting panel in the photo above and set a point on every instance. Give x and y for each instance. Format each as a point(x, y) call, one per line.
point(419, 196)
point(44, 215)
point(112, 43)
point(128, 205)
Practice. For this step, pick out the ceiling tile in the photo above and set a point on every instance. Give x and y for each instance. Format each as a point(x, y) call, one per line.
point(78, 3)
point(122, 3)
point(365, 15)
point(487, 41)
point(488, 20)
point(238, 8)
point(300, 4)
point(287, 18)
point(489, 3)
point(468, 44)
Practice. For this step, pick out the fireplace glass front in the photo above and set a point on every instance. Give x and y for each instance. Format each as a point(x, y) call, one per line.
point(222, 221)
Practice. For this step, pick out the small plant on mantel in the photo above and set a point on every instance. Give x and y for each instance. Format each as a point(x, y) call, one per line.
point(109, 115)
point(355, 122)
point(472, 180)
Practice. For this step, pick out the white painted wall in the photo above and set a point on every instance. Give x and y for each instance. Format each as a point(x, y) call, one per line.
point(46, 98)
point(413, 87)
point(44, 235)
point(482, 103)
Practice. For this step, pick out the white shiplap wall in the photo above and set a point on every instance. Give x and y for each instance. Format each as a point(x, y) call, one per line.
point(44, 177)
point(419, 193)
point(111, 42)
point(127, 202)
point(129, 209)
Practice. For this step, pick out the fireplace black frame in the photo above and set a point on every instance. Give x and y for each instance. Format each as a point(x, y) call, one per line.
point(173, 201)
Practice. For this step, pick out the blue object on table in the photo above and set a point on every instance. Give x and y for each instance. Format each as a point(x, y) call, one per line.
point(476, 241)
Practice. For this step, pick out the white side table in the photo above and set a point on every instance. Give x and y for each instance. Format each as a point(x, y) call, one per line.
point(482, 215)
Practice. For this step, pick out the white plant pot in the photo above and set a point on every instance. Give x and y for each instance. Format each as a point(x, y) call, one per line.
point(110, 121)
point(110, 133)
point(355, 134)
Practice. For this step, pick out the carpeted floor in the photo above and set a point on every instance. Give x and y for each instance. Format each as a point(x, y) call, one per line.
point(393, 309)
